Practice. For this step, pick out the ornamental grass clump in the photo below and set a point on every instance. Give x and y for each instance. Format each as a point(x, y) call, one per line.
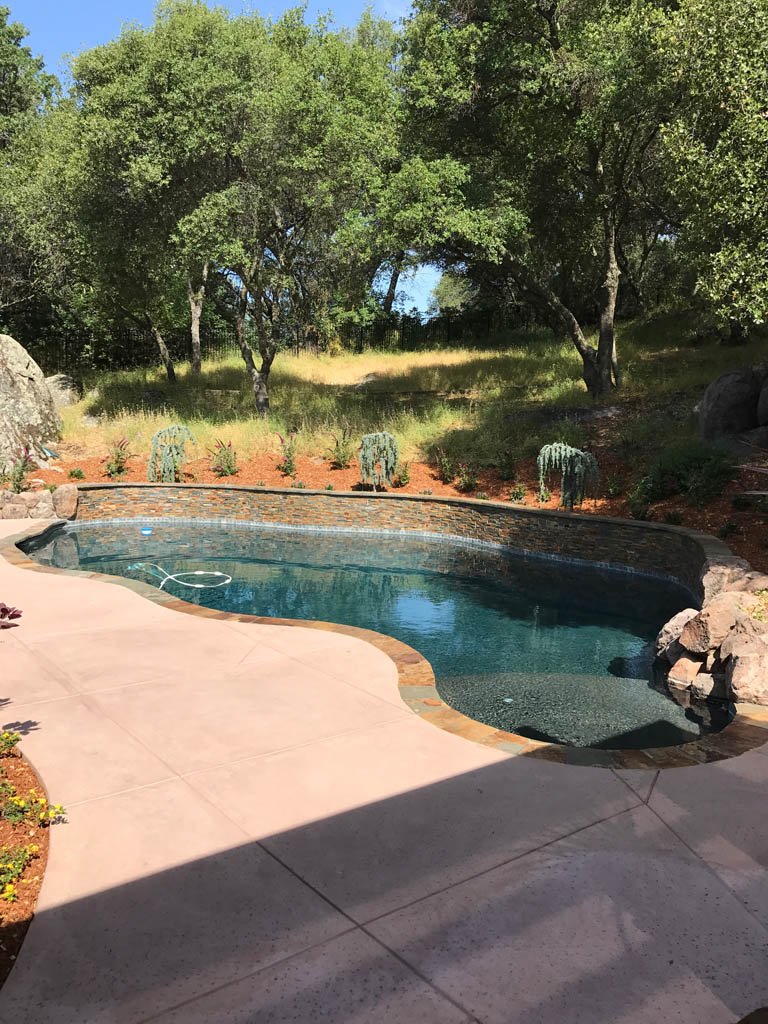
point(168, 454)
point(379, 458)
point(223, 459)
point(578, 470)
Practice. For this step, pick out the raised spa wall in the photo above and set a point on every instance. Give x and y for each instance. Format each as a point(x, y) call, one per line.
point(666, 551)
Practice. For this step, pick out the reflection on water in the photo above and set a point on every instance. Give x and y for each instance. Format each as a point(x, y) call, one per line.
point(530, 645)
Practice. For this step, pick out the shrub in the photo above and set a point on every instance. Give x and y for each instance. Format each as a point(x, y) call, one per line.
point(579, 473)
point(168, 453)
point(691, 468)
point(19, 470)
point(403, 477)
point(223, 459)
point(342, 450)
point(330, 487)
point(299, 485)
point(427, 490)
point(76, 474)
point(379, 457)
point(517, 493)
point(117, 460)
point(638, 500)
point(13, 863)
point(728, 530)
point(482, 496)
point(446, 467)
point(674, 517)
point(614, 487)
point(466, 478)
point(544, 495)
point(287, 463)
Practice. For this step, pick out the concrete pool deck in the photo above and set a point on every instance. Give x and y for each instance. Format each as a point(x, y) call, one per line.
point(260, 830)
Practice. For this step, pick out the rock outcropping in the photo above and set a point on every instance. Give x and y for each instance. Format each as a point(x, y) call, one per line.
point(61, 504)
point(720, 652)
point(28, 417)
point(734, 410)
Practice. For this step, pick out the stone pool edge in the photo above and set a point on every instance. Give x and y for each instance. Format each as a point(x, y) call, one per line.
point(417, 688)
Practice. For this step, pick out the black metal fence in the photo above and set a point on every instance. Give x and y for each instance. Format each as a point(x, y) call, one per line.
point(129, 348)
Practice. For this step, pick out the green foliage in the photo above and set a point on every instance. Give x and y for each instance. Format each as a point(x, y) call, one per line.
point(329, 487)
point(482, 496)
point(168, 453)
point(76, 473)
point(728, 529)
point(517, 494)
point(692, 468)
point(287, 463)
point(614, 487)
point(379, 457)
point(467, 479)
point(674, 517)
point(544, 495)
point(13, 863)
point(299, 485)
point(8, 742)
point(343, 449)
point(403, 477)
point(19, 471)
point(223, 459)
point(446, 466)
point(578, 470)
point(117, 460)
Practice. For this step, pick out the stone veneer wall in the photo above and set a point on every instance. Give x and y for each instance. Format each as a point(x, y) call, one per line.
point(667, 551)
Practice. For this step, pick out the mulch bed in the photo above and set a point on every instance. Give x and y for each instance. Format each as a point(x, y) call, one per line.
point(16, 917)
point(745, 531)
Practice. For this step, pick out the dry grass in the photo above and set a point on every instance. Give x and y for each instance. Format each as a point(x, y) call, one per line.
point(473, 402)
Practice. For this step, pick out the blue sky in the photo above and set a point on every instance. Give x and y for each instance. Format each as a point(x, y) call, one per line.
point(61, 27)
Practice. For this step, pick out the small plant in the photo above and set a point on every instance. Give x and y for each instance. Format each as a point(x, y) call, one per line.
point(674, 517)
point(261, 483)
point(614, 487)
point(168, 453)
point(8, 742)
point(299, 485)
point(728, 530)
point(517, 494)
point(579, 473)
point(8, 616)
point(76, 474)
point(741, 502)
point(117, 460)
point(638, 500)
point(482, 496)
point(34, 808)
point(223, 459)
point(466, 478)
point(13, 863)
point(544, 495)
point(427, 490)
point(19, 470)
point(342, 450)
point(446, 467)
point(330, 487)
point(403, 477)
point(287, 463)
point(379, 457)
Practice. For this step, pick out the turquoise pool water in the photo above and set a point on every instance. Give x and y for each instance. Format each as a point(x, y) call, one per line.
point(536, 646)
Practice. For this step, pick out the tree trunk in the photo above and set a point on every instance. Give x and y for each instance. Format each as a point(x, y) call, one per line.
point(561, 318)
point(607, 358)
point(259, 377)
point(397, 266)
point(165, 355)
point(196, 294)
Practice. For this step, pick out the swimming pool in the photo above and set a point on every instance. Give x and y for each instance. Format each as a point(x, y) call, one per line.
point(538, 646)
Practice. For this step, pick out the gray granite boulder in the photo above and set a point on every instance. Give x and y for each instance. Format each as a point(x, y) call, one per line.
point(729, 405)
point(28, 417)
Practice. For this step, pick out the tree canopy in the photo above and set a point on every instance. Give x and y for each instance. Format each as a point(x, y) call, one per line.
point(575, 160)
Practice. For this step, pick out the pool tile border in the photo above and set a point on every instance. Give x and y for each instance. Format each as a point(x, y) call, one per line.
point(417, 688)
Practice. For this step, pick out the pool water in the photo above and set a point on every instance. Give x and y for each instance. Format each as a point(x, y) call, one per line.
point(536, 646)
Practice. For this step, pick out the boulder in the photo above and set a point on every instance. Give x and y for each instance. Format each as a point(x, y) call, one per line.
point(65, 501)
point(745, 627)
point(729, 405)
point(64, 390)
point(43, 507)
point(28, 416)
point(726, 573)
point(762, 407)
point(707, 686)
point(712, 624)
point(11, 506)
point(746, 669)
point(670, 633)
point(683, 672)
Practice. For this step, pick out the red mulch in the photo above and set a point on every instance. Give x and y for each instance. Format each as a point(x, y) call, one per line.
point(16, 917)
point(747, 531)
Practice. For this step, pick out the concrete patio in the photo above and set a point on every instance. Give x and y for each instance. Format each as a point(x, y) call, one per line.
point(259, 830)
